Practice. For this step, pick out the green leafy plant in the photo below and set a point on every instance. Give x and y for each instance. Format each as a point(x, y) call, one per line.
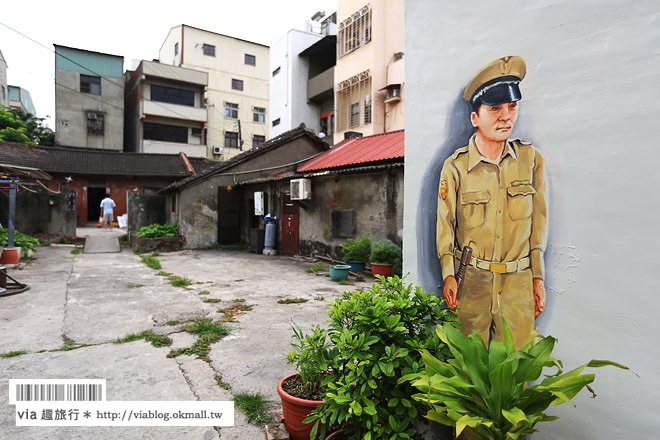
point(385, 252)
point(486, 389)
point(20, 240)
point(357, 250)
point(158, 230)
point(311, 356)
point(376, 335)
point(254, 406)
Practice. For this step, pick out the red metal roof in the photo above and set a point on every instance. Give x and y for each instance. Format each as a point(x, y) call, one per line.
point(359, 150)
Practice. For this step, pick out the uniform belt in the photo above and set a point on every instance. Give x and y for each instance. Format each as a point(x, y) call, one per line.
point(504, 267)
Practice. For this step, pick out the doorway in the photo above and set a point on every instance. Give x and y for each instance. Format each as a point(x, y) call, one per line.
point(94, 197)
point(229, 206)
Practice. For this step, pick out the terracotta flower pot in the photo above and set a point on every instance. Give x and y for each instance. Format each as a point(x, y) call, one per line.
point(381, 269)
point(296, 410)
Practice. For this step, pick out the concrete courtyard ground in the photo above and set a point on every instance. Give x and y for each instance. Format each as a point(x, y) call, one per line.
point(83, 302)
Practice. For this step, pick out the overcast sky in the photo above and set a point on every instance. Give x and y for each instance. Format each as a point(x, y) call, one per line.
point(133, 29)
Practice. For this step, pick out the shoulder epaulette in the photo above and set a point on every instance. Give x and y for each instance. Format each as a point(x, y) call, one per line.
point(459, 151)
point(521, 141)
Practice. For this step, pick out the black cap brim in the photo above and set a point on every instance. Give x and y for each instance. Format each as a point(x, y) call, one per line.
point(501, 93)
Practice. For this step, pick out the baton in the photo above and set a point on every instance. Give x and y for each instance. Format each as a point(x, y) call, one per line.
point(462, 269)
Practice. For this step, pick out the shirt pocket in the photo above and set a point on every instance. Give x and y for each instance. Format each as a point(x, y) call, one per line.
point(474, 204)
point(520, 201)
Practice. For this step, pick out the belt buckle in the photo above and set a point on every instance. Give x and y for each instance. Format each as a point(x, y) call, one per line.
point(498, 267)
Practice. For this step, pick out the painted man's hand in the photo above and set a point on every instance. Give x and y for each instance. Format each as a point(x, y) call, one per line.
point(539, 297)
point(449, 291)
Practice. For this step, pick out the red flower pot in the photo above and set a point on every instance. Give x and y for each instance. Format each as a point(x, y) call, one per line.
point(381, 269)
point(296, 410)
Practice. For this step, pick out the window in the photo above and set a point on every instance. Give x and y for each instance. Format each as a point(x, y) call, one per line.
point(355, 31)
point(176, 49)
point(231, 110)
point(95, 123)
point(258, 140)
point(341, 223)
point(172, 95)
point(258, 114)
point(237, 84)
point(168, 133)
point(325, 124)
point(231, 139)
point(197, 132)
point(209, 50)
point(352, 95)
point(276, 71)
point(90, 84)
point(276, 122)
point(3, 95)
point(250, 60)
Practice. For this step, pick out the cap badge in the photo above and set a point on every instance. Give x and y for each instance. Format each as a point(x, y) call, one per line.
point(505, 65)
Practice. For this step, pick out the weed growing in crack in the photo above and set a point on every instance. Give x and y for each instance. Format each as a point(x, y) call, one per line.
point(155, 339)
point(316, 267)
point(175, 322)
point(76, 251)
point(151, 262)
point(221, 384)
point(292, 301)
point(239, 300)
point(203, 292)
point(345, 283)
point(133, 286)
point(12, 354)
point(163, 274)
point(254, 406)
point(178, 281)
point(211, 300)
point(208, 334)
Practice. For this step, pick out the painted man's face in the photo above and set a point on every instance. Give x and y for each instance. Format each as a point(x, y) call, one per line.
point(495, 122)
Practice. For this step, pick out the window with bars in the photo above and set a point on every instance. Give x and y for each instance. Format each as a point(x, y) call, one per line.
point(353, 101)
point(231, 139)
point(258, 114)
point(355, 31)
point(237, 84)
point(208, 50)
point(258, 140)
point(250, 60)
point(231, 110)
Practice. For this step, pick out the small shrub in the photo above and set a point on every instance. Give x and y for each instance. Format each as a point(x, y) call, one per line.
point(158, 230)
point(386, 252)
point(357, 250)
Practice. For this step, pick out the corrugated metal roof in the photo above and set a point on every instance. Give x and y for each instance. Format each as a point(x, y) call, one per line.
point(352, 151)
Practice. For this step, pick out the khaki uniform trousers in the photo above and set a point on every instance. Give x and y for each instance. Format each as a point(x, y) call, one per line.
point(479, 311)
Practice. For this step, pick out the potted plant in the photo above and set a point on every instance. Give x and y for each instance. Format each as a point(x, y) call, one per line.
point(384, 255)
point(486, 389)
point(301, 392)
point(157, 237)
point(375, 336)
point(357, 253)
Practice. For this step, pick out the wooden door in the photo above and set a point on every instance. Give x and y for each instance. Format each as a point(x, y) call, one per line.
point(289, 226)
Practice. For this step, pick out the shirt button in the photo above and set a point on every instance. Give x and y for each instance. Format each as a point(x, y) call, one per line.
point(499, 212)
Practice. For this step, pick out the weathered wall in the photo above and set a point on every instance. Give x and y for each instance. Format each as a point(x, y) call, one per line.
point(589, 105)
point(197, 206)
point(377, 199)
point(144, 210)
point(35, 214)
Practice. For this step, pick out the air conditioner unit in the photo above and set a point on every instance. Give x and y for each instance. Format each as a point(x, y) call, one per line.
point(301, 189)
point(393, 92)
point(218, 150)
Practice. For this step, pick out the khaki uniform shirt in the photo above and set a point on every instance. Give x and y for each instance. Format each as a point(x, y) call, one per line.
point(499, 209)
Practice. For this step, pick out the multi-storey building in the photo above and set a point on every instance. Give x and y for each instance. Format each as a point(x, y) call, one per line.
point(4, 93)
point(165, 110)
point(302, 78)
point(237, 95)
point(369, 74)
point(89, 99)
point(20, 98)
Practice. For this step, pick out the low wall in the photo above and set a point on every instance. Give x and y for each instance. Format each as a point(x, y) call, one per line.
point(144, 210)
point(42, 213)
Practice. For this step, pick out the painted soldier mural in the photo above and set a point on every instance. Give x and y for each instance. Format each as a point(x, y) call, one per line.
point(492, 198)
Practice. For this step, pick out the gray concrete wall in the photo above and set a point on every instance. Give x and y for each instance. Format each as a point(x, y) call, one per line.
point(589, 105)
point(144, 210)
point(377, 199)
point(35, 214)
point(72, 106)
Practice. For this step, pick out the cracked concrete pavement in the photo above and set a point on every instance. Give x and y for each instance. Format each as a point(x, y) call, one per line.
point(89, 300)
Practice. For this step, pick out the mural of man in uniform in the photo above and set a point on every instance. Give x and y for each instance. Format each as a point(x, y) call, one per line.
point(492, 198)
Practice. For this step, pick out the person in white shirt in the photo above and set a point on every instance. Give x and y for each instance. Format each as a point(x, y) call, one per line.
point(107, 206)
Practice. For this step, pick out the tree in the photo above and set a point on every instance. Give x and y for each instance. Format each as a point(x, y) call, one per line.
point(25, 128)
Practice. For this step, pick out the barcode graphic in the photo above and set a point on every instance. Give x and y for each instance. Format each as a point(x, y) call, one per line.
point(56, 390)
